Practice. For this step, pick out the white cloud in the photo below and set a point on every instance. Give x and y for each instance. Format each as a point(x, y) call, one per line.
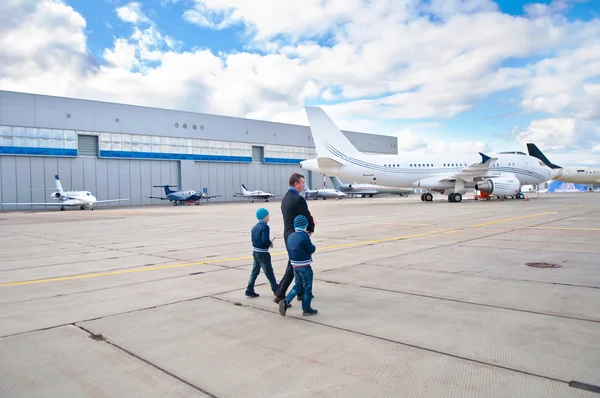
point(596, 149)
point(550, 134)
point(132, 13)
point(384, 60)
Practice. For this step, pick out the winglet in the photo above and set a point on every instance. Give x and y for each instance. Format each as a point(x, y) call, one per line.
point(536, 153)
point(484, 158)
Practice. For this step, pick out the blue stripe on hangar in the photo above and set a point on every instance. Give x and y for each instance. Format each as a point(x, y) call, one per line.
point(19, 150)
point(283, 161)
point(173, 156)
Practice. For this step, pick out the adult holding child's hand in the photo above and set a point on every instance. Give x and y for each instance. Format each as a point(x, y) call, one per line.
point(293, 204)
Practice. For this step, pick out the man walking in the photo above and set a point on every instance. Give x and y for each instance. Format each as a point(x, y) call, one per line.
point(292, 205)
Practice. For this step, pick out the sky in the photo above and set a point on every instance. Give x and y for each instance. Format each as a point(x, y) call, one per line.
point(444, 76)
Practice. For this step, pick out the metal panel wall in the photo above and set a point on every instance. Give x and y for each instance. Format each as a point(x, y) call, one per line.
point(31, 178)
point(19, 109)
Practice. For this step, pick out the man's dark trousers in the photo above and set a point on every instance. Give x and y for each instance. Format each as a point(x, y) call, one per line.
point(288, 277)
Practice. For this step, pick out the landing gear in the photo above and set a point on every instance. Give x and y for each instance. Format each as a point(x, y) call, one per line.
point(520, 195)
point(81, 207)
point(62, 208)
point(427, 197)
point(455, 197)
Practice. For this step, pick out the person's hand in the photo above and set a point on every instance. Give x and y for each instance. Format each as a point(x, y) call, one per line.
point(310, 234)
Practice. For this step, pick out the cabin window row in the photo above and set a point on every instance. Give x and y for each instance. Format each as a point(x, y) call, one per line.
point(427, 165)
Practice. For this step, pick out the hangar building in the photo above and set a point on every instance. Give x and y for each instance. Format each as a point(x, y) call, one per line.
point(122, 151)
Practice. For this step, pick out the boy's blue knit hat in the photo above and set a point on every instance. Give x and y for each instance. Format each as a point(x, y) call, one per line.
point(300, 222)
point(262, 213)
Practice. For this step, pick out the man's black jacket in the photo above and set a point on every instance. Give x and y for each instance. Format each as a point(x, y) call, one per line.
point(293, 205)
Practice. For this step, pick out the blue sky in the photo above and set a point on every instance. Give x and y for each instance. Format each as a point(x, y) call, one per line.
point(442, 75)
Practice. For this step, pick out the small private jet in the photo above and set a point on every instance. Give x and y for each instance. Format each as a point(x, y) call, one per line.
point(180, 197)
point(324, 193)
point(576, 175)
point(500, 174)
point(258, 194)
point(82, 199)
point(369, 190)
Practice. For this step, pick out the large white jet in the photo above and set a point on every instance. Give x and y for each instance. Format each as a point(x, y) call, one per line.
point(576, 175)
point(501, 174)
point(83, 199)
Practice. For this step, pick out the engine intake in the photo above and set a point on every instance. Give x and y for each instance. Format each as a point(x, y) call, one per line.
point(55, 195)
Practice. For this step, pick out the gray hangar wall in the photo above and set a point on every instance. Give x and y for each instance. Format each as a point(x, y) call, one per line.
point(121, 151)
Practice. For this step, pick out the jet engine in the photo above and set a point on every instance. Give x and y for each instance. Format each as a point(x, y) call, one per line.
point(504, 186)
point(55, 195)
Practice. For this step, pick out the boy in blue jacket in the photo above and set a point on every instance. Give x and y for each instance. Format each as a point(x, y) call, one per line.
point(300, 248)
point(261, 243)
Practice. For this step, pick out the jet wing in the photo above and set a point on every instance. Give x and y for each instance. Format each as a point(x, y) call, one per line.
point(475, 170)
point(158, 197)
point(213, 196)
point(43, 204)
point(111, 200)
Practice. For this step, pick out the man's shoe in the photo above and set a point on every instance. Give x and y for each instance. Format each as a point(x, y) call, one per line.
point(310, 312)
point(277, 299)
point(252, 294)
point(282, 307)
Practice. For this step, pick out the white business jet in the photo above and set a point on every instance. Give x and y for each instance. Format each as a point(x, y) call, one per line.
point(500, 174)
point(576, 175)
point(83, 199)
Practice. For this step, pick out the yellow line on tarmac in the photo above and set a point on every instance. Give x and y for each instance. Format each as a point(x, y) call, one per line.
point(563, 228)
point(222, 260)
point(514, 219)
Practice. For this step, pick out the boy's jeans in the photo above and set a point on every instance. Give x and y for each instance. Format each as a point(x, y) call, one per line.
point(262, 260)
point(304, 278)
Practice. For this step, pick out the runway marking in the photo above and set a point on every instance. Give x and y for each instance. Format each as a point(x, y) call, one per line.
point(222, 260)
point(562, 228)
point(514, 219)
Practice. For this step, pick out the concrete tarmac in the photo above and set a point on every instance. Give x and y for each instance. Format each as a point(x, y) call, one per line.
point(415, 299)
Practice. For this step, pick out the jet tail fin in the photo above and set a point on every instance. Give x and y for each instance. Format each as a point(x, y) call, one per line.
point(329, 140)
point(166, 188)
point(536, 153)
point(59, 187)
point(337, 184)
point(245, 190)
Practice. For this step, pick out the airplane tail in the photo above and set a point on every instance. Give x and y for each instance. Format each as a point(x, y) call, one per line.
point(245, 190)
point(329, 140)
point(167, 188)
point(337, 184)
point(536, 153)
point(59, 187)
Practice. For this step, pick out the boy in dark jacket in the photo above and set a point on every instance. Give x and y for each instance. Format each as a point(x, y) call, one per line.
point(261, 242)
point(292, 205)
point(300, 248)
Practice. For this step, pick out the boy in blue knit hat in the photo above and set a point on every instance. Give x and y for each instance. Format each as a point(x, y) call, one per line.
point(261, 242)
point(300, 248)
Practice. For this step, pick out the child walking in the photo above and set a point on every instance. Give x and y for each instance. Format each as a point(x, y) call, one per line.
point(300, 248)
point(261, 242)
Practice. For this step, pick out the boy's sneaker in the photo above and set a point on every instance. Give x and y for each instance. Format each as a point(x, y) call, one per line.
point(283, 307)
point(252, 294)
point(310, 312)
